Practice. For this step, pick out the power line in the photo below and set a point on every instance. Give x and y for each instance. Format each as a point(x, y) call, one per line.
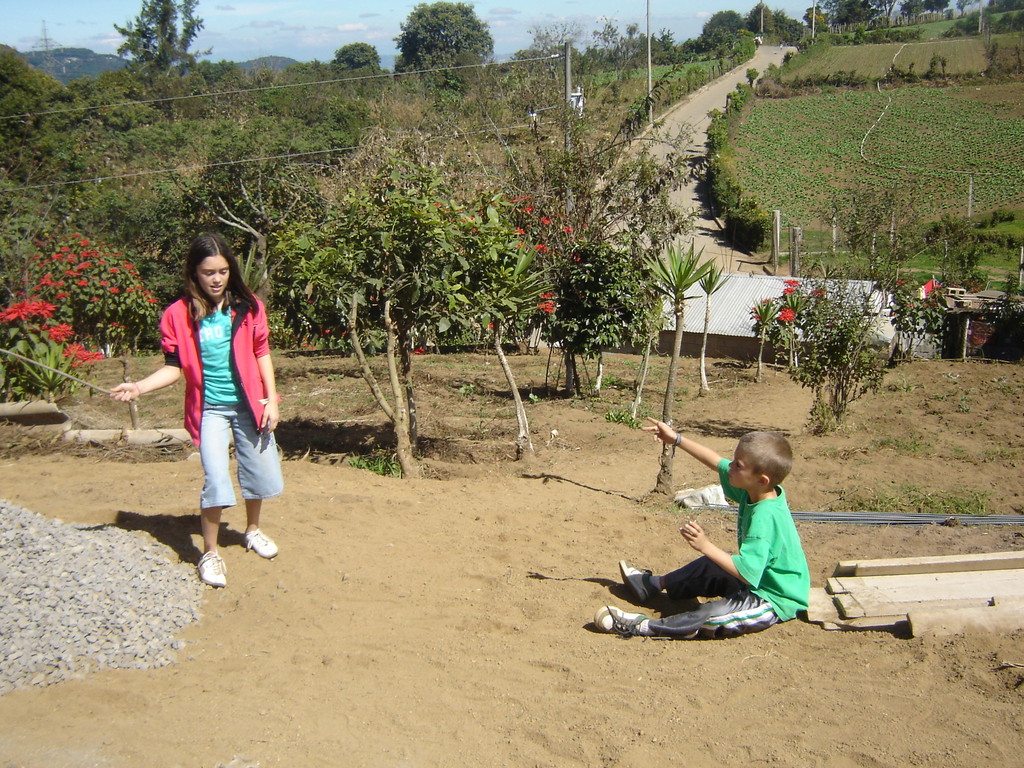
point(257, 89)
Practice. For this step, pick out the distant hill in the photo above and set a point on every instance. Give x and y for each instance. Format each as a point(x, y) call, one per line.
point(273, 63)
point(66, 64)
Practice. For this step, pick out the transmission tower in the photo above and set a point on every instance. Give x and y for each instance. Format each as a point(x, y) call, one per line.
point(46, 45)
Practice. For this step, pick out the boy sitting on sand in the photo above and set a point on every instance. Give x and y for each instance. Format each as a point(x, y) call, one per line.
point(767, 582)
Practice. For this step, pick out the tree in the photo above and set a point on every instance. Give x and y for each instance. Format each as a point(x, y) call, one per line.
point(837, 360)
point(710, 283)
point(442, 34)
point(597, 212)
point(156, 42)
point(673, 275)
point(761, 20)
point(850, 11)
point(357, 56)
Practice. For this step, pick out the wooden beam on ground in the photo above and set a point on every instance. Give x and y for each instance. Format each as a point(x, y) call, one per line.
point(822, 610)
point(991, 561)
point(1000, 618)
point(930, 586)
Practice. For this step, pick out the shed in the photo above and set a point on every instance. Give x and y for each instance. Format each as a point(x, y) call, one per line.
point(731, 329)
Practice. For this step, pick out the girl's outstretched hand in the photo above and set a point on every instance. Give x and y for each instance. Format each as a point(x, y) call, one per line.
point(125, 392)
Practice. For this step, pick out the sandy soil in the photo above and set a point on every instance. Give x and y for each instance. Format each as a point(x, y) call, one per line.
point(446, 621)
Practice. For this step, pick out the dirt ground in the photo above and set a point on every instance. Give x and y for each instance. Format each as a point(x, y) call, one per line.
point(446, 620)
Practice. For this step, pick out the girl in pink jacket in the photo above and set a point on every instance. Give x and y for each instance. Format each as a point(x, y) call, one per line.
point(217, 336)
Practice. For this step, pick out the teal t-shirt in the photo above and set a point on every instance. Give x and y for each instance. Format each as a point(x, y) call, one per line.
point(219, 385)
point(770, 557)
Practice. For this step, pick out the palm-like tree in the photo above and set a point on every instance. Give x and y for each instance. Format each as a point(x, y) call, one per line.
point(712, 281)
point(673, 275)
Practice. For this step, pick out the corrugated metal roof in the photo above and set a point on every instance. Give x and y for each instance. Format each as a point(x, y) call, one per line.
point(731, 304)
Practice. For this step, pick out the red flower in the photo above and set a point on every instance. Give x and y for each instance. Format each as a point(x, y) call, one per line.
point(418, 351)
point(545, 220)
point(60, 333)
point(540, 248)
point(25, 310)
point(567, 228)
point(791, 283)
point(787, 315)
point(114, 289)
point(83, 282)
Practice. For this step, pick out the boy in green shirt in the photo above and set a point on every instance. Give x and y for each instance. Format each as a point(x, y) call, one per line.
point(767, 582)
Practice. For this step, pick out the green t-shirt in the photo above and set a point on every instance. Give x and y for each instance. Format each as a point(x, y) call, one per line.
point(770, 556)
point(219, 385)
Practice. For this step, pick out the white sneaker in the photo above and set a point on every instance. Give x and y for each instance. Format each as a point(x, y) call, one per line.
point(261, 544)
point(612, 619)
point(212, 570)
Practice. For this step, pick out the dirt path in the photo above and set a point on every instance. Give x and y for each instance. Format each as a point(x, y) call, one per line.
point(446, 622)
point(692, 116)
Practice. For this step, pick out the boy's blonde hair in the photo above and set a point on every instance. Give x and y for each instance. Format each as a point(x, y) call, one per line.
point(769, 454)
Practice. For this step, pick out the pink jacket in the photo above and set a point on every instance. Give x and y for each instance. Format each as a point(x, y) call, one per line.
point(250, 339)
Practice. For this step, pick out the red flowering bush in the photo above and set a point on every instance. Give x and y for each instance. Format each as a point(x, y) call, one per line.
point(96, 292)
point(41, 355)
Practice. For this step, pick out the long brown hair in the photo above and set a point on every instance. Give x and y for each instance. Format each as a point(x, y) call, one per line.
point(202, 248)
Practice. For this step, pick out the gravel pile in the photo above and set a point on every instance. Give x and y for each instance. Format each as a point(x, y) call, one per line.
point(74, 599)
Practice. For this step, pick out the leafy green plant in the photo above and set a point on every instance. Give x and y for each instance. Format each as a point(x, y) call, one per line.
point(837, 359)
point(380, 462)
point(43, 356)
point(623, 416)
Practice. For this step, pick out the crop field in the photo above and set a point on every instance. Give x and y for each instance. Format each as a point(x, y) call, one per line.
point(963, 56)
point(935, 143)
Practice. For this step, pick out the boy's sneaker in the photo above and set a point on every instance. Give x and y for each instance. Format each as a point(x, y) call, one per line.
point(612, 619)
point(639, 582)
point(261, 544)
point(212, 570)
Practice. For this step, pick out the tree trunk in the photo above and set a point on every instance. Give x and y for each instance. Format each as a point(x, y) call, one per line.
point(760, 357)
point(523, 441)
point(404, 445)
point(404, 349)
point(368, 377)
point(704, 348)
point(641, 378)
point(663, 486)
point(572, 378)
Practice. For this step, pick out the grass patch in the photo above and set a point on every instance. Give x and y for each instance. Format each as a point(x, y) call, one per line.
point(380, 462)
point(910, 445)
point(912, 499)
point(623, 415)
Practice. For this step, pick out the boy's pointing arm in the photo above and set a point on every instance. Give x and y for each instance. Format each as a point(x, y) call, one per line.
point(666, 434)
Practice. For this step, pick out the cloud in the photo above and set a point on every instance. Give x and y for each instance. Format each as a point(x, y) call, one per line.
point(279, 26)
point(224, 7)
point(504, 12)
point(368, 15)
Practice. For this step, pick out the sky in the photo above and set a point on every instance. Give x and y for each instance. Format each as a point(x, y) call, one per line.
point(314, 29)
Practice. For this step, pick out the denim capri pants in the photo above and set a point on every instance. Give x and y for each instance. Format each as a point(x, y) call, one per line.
point(259, 468)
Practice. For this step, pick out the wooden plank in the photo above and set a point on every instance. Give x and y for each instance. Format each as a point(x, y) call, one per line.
point(990, 561)
point(850, 608)
point(853, 607)
point(820, 606)
point(931, 586)
point(821, 610)
point(955, 621)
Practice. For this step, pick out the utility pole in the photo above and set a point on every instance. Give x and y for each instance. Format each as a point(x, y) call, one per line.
point(650, 86)
point(814, 17)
